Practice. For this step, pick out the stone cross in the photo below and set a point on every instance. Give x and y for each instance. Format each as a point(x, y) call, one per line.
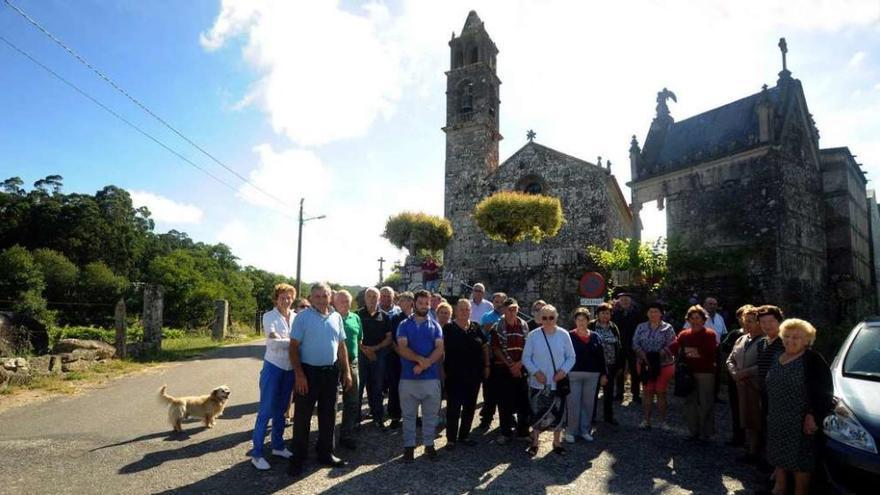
point(381, 261)
point(783, 47)
point(531, 135)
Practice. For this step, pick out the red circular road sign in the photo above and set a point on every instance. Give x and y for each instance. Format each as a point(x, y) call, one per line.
point(592, 285)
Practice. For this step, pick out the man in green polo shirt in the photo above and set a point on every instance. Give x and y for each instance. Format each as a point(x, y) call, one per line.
point(351, 398)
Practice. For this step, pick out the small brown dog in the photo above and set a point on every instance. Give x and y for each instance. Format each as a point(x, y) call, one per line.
point(207, 407)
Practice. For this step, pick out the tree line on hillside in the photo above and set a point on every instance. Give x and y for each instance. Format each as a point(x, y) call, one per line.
point(68, 258)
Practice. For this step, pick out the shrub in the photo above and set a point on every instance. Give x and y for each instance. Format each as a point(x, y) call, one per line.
point(428, 232)
point(513, 217)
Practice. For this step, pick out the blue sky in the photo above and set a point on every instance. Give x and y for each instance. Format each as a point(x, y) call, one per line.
point(342, 102)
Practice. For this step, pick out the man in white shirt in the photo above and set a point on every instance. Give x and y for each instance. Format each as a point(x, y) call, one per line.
point(479, 306)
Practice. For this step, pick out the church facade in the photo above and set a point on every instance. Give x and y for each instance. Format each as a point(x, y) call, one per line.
point(595, 209)
point(789, 223)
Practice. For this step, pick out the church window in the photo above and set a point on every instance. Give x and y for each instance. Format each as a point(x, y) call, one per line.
point(458, 59)
point(466, 98)
point(533, 188)
point(531, 184)
point(475, 55)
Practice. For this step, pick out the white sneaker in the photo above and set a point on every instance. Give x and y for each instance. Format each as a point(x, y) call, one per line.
point(569, 438)
point(587, 437)
point(665, 426)
point(644, 425)
point(260, 463)
point(282, 453)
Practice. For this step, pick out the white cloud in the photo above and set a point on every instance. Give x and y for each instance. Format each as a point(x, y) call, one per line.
point(857, 60)
point(166, 210)
point(283, 177)
point(326, 73)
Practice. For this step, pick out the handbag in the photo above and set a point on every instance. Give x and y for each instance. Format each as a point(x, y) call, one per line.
point(684, 377)
point(563, 387)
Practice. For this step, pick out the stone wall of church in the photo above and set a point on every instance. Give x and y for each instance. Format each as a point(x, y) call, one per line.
point(549, 270)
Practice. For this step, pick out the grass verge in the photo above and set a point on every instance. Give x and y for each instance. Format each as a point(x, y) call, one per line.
point(179, 349)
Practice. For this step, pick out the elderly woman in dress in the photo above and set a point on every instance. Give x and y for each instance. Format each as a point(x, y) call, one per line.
point(276, 377)
point(652, 344)
point(549, 357)
point(742, 364)
point(799, 396)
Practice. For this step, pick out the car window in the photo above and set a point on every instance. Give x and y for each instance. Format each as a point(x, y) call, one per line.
point(863, 356)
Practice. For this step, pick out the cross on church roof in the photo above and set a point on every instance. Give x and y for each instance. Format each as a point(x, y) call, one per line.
point(531, 135)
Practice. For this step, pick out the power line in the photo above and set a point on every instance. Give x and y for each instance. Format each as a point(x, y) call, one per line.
point(111, 111)
point(134, 100)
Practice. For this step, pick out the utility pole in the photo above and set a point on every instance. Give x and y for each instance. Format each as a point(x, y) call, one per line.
point(381, 263)
point(299, 244)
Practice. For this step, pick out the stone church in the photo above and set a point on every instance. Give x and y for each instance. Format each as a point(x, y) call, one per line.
point(748, 180)
point(595, 209)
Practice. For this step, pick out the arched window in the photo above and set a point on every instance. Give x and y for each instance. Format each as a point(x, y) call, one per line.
point(458, 59)
point(475, 55)
point(532, 184)
point(466, 97)
point(533, 188)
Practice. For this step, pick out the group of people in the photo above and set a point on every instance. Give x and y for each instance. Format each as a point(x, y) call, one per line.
point(417, 349)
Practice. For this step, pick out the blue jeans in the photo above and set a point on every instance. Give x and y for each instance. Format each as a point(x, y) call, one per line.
point(372, 376)
point(432, 285)
point(276, 385)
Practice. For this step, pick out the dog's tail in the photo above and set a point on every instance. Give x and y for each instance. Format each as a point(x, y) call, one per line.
point(167, 398)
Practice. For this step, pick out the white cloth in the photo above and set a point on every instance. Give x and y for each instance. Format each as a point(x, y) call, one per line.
point(479, 309)
point(277, 348)
point(715, 323)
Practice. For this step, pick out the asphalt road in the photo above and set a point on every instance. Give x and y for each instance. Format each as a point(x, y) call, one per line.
point(116, 440)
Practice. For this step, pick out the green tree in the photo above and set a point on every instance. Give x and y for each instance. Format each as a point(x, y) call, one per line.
point(646, 262)
point(59, 273)
point(98, 283)
point(22, 283)
point(425, 232)
point(512, 217)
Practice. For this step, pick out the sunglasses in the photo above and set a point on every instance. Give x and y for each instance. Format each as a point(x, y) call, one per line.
point(548, 318)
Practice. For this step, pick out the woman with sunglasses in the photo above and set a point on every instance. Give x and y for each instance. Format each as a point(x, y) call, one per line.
point(549, 357)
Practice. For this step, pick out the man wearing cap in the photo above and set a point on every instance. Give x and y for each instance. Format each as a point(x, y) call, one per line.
point(479, 306)
point(508, 341)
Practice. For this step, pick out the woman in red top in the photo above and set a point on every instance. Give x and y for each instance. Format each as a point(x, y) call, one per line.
point(699, 346)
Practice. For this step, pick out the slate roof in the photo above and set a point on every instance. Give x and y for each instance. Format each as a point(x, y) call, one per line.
point(720, 131)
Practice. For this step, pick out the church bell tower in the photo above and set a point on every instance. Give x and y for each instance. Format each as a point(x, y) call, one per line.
point(471, 138)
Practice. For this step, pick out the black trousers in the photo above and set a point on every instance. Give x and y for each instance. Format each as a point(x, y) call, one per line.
point(607, 395)
point(490, 398)
point(323, 382)
point(461, 402)
point(739, 434)
point(513, 399)
point(630, 360)
point(392, 384)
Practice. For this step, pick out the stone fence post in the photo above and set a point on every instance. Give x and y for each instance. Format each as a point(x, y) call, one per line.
point(121, 329)
point(258, 322)
point(153, 300)
point(221, 318)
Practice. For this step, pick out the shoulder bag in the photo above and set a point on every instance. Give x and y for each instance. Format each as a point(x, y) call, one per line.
point(563, 387)
point(684, 377)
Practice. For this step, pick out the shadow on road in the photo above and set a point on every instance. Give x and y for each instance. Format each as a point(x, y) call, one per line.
point(239, 410)
point(170, 436)
point(155, 459)
point(253, 350)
